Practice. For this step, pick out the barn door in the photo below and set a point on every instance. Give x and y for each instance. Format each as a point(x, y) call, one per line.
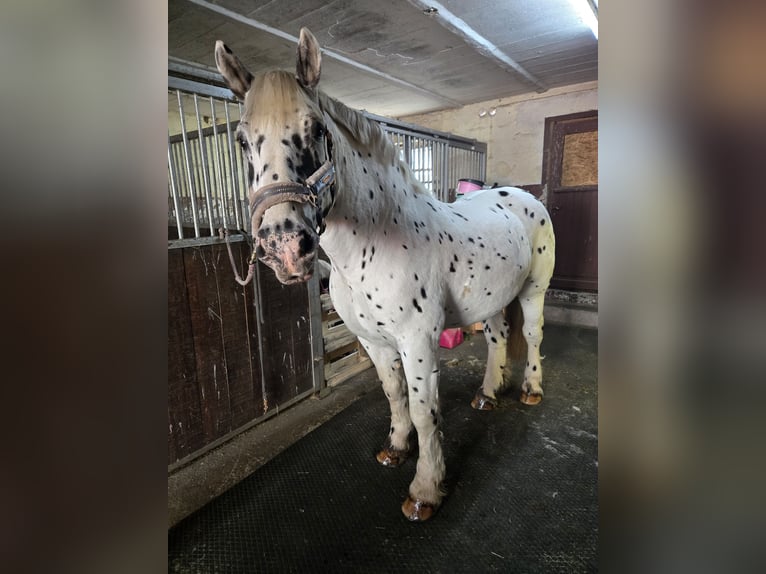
point(570, 172)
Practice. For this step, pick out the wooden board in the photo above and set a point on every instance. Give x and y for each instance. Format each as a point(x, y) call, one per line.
point(286, 339)
point(216, 381)
point(185, 434)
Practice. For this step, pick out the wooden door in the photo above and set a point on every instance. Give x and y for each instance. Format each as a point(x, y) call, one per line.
point(570, 172)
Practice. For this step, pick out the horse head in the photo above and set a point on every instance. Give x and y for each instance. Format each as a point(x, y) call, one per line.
point(283, 137)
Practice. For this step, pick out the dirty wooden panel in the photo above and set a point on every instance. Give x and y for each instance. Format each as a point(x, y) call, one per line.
point(206, 320)
point(233, 302)
point(184, 415)
point(286, 339)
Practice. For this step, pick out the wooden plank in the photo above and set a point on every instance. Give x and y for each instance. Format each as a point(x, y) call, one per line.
point(338, 338)
point(185, 432)
point(331, 325)
point(327, 304)
point(336, 366)
point(205, 313)
point(286, 339)
point(234, 332)
point(349, 372)
point(340, 352)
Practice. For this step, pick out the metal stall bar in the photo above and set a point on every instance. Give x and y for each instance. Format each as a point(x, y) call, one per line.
point(187, 157)
point(233, 167)
point(174, 189)
point(218, 167)
point(204, 167)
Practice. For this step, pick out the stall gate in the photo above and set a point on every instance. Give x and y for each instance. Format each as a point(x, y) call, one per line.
point(237, 355)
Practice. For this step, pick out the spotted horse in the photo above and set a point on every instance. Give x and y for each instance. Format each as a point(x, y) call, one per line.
point(404, 265)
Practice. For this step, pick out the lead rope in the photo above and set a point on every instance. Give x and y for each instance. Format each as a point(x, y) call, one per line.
point(250, 268)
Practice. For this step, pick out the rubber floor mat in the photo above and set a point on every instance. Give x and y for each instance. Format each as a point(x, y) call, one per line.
point(522, 485)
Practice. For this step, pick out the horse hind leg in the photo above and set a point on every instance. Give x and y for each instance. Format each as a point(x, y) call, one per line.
point(532, 307)
point(496, 333)
point(389, 368)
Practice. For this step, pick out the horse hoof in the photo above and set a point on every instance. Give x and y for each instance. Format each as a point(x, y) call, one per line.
point(482, 402)
point(417, 510)
point(531, 399)
point(391, 457)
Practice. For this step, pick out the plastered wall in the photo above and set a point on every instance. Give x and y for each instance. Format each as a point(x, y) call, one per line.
point(515, 134)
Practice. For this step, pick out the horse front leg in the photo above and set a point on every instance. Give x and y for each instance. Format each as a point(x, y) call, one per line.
point(425, 492)
point(389, 368)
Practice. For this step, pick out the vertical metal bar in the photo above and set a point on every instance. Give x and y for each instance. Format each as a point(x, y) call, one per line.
point(232, 167)
point(187, 211)
point(437, 162)
point(407, 149)
point(443, 195)
point(176, 159)
point(174, 190)
point(187, 156)
point(244, 205)
point(419, 154)
point(222, 197)
point(430, 160)
point(452, 168)
point(196, 179)
point(445, 171)
point(204, 168)
point(421, 160)
point(467, 172)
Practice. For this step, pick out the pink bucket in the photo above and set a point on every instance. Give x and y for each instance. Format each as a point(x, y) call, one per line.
point(468, 185)
point(451, 338)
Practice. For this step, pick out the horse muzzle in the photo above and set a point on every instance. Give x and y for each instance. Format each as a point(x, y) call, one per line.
point(290, 255)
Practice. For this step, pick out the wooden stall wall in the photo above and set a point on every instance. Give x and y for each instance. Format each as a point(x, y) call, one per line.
point(225, 369)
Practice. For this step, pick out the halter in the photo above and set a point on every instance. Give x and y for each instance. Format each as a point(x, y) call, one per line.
point(311, 192)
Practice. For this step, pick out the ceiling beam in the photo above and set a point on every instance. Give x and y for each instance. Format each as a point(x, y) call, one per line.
point(328, 53)
point(460, 28)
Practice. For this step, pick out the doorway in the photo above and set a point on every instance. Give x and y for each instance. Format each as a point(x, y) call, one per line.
point(570, 174)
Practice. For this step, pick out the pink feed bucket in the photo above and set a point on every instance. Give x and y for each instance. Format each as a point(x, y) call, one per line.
point(468, 185)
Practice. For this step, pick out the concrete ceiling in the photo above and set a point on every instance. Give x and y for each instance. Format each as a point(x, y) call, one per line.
point(391, 58)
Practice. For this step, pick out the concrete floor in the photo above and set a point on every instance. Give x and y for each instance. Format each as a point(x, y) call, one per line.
point(522, 480)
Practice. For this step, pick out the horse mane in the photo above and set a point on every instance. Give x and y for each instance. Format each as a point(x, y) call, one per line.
point(369, 134)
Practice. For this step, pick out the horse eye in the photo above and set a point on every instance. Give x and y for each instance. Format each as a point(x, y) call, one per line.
point(242, 142)
point(319, 130)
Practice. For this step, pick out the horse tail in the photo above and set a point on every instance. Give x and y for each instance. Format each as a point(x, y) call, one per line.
point(517, 344)
point(544, 196)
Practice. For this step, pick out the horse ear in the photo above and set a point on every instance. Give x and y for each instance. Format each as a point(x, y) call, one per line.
point(309, 61)
point(237, 77)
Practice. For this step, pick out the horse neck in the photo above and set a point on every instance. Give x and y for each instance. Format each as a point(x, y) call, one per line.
point(366, 201)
